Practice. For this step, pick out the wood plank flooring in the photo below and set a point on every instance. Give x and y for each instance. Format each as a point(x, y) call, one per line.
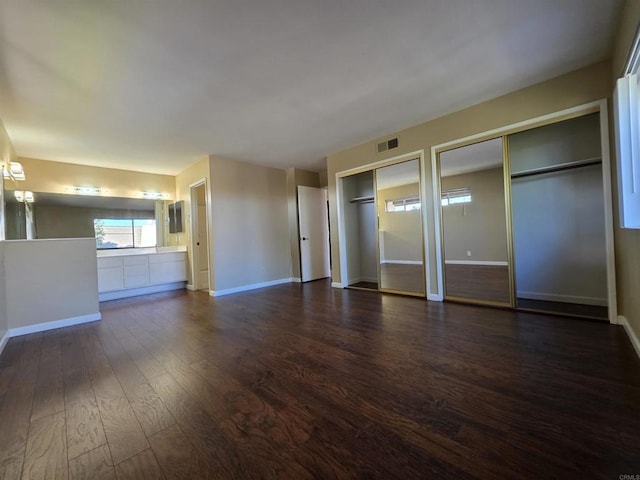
point(305, 381)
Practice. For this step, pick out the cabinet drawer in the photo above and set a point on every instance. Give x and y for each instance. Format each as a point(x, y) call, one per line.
point(167, 272)
point(136, 260)
point(110, 279)
point(109, 262)
point(167, 257)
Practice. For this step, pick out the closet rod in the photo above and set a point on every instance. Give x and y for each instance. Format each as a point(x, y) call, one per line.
point(558, 168)
point(362, 200)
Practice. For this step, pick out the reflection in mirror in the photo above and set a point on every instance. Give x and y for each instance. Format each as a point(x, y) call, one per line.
point(474, 224)
point(115, 222)
point(400, 228)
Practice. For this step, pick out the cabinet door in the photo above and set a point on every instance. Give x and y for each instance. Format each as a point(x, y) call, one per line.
point(110, 279)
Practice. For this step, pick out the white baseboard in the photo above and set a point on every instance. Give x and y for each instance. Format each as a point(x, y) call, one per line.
point(296, 280)
point(3, 341)
point(190, 287)
point(244, 288)
point(65, 322)
point(134, 292)
point(552, 297)
point(489, 263)
point(337, 285)
point(403, 262)
point(622, 320)
point(435, 297)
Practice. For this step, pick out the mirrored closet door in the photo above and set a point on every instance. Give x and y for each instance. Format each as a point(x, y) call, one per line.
point(400, 243)
point(474, 224)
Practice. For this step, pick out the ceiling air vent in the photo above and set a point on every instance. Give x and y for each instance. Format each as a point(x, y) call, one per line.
point(388, 145)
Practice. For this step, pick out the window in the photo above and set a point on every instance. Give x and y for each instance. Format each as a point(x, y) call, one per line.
point(456, 195)
point(124, 232)
point(406, 204)
point(627, 126)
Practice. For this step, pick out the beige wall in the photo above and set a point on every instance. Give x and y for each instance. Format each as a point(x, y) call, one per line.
point(56, 177)
point(251, 224)
point(324, 181)
point(478, 227)
point(296, 177)
point(400, 234)
point(54, 221)
point(50, 280)
point(627, 242)
point(195, 173)
point(575, 88)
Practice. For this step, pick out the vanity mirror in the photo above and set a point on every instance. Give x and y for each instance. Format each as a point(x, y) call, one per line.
point(115, 222)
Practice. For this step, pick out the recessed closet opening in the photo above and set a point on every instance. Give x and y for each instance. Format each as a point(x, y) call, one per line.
point(558, 218)
point(360, 230)
point(525, 220)
point(382, 229)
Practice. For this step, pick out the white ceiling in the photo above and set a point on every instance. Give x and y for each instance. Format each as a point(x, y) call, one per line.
point(154, 85)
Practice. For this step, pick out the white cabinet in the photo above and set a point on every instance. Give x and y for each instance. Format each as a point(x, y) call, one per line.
point(167, 267)
point(136, 271)
point(110, 274)
point(122, 276)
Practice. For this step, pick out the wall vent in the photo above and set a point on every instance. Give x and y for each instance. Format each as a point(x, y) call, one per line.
point(388, 145)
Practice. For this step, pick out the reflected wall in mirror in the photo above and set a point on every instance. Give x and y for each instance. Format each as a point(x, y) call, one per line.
point(400, 243)
point(115, 222)
point(474, 226)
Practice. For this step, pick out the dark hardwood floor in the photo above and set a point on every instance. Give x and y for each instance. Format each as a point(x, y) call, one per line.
point(305, 381)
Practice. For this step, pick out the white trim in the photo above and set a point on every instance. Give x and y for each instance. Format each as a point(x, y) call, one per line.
point(190, 287)
point(244, 288)
point(134, 292)
point(65, 322)
point(403, 262)
point(437, 226)
point(477, 262)
point(336, 285)
point(3, 341)
point(612, 299)
point(296, 279)
point(622, 320)
point(342, 241)
point(554, 297)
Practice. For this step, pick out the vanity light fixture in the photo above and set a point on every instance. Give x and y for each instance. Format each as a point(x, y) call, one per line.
point(24, 196)
point(86, 190)
point(154, 195)
point(13, 170)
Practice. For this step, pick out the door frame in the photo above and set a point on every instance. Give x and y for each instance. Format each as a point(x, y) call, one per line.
point(195, 260)
point(597, 106)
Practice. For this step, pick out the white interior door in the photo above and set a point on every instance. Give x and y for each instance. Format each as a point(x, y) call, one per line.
point(201, 238)
point(313, 224)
